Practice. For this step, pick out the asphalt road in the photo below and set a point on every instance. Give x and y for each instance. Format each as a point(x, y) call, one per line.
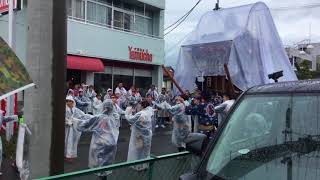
point(161, 144)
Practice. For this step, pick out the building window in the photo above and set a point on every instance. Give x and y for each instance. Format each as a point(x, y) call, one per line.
point(149, 26)
point(118, 20)
point(99, 14)
point(69, 7)
point(139, 10)
point(76, 9)
point(125, 17)
point(139, 25)
point(128, 22)
point(79, 6)
point(109, 2)
point(144, 25)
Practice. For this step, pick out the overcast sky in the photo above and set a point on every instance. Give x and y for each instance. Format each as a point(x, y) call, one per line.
point(293, 24)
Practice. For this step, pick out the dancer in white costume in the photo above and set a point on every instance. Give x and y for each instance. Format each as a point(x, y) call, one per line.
point(72, 135)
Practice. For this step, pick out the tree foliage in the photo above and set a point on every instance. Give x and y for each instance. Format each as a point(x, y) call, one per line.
point(303, 70)
point(13, 75)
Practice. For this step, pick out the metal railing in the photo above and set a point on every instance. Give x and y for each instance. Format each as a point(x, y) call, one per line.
point(168, 167)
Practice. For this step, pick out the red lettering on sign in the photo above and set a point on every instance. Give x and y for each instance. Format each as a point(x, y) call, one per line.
point(139, 54)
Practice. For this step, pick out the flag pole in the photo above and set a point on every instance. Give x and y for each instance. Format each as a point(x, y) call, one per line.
point(10, 99)
point(10, 23)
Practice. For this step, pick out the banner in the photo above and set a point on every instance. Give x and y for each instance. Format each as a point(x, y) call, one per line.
point(4, 5)
point(13, 75)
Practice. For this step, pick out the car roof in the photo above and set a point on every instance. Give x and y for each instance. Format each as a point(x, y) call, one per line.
point(305, 86)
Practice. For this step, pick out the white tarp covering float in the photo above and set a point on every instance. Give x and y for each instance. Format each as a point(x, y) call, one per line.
point(245, 38)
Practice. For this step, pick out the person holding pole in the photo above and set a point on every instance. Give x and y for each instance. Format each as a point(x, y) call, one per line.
point(181, 127)
point(5, 119)
point(141, 133)
point(105, 133)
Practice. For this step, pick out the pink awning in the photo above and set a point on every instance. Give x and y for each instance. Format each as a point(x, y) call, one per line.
point(85, 63)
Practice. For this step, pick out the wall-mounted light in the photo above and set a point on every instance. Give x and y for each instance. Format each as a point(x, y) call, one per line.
point(79, 51)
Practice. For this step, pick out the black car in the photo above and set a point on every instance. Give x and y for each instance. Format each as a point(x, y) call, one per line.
point(272, 132)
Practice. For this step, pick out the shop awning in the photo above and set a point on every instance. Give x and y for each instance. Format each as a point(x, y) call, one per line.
point(85, 63)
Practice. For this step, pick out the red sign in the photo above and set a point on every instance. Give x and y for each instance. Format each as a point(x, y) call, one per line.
point(4, 5)
point(139, 54)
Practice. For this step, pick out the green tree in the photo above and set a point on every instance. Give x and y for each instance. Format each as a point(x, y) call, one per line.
point(303, 70)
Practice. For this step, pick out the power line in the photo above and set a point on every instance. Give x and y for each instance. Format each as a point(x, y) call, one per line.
point(186, 14)
point(177, 25)
point(184, 18)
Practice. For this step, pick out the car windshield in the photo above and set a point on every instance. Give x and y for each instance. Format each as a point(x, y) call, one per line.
point(270, 137)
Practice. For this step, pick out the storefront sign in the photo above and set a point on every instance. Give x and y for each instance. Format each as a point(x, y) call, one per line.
point(4, 5)
point(139, 54)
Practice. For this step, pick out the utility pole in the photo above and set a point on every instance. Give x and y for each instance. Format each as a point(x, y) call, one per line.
point(44, 106)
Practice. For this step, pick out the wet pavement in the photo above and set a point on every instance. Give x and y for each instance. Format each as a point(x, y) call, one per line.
point(161, 144)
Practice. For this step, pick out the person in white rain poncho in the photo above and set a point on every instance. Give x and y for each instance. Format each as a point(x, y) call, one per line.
point(141, 133)
point(120, 90)
point(82, 102)
point(5, 119)
point(181, 127)
point(105, 135)
point(116, 106)
point(90, 94)
point(108, 95)
point(117, 109)
point(223, 109)
point(133, 102)
point(97, 105)
point(72, 135)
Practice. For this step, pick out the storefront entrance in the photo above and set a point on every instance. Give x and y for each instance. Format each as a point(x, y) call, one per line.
point(74, 76)
point(128, 74)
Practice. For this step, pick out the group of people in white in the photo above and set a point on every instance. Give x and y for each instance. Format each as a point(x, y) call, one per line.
point(87, 112)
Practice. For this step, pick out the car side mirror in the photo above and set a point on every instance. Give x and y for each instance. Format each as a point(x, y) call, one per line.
point(195, 143)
